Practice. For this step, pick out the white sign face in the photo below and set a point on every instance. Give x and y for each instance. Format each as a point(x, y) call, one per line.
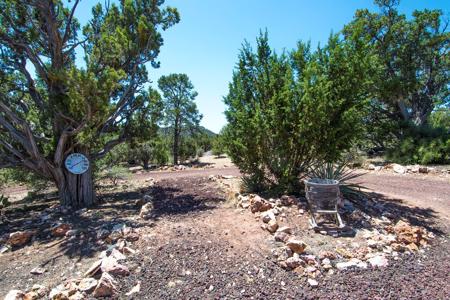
point(77, 163)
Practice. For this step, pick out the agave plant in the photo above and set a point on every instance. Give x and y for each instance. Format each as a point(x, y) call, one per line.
point(339, 171)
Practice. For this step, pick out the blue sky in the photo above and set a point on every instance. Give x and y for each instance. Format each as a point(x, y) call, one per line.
point(205, 44)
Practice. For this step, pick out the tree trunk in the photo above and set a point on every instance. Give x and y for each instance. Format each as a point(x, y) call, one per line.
point(76, 191)
point(145, 164)
point(175, 143)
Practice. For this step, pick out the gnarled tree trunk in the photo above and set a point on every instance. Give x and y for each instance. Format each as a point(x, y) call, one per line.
point(76, 191)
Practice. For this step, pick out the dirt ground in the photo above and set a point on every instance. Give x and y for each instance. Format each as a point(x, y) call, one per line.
point(199, 246)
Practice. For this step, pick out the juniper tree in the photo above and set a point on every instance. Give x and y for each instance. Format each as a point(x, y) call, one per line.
point(51, 106)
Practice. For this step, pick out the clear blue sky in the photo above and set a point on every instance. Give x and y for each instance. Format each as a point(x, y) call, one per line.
point(206, 42)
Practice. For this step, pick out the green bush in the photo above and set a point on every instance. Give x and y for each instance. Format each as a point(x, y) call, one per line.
point(218, 145)
point(116, 173)
point(422, 145)
point(286, 111)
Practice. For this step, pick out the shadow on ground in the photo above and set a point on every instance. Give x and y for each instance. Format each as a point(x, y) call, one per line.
point(115, 208)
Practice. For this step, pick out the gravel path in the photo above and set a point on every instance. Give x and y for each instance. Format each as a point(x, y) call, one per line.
point(423, 191)
point(216, 253)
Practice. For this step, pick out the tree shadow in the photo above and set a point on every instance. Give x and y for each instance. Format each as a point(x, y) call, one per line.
point(380, 206)
point(116, 208)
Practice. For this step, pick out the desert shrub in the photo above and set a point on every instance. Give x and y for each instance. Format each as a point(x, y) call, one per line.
point(286, 111)
point(116, 173)
point(422, 145)
point(218, 145)
point(11, 176)
point(155, 151)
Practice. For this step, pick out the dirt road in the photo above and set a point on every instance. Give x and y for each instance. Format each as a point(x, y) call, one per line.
point(426, 192)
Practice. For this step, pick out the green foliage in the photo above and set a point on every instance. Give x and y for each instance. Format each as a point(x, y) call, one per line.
point(116, 173)
point(218, 145)
point(4, 201)
point(286, 111)
point(11, 176)
point(67, 108)
point(422, 145)
point(180, 114)
point(155, 151)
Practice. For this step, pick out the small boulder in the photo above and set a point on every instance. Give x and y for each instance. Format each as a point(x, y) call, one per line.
point(106, 286)
point(272, 226)
point(146, 211)
point(399, 169)
point(258, 204)
point(60, 230)
point(87, 285)
point(293, 262)
point(38, 271)
point(267, 216)
point(285, 229)
point(287, 200)
point(379, 261)
point(111, 266)
point(281, 237)
point(313, 282)
point(15, 295)
point(19, 238)
point(296, 245)
point(59, 293)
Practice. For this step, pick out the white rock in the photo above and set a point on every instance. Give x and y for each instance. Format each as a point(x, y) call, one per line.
point(285, 229)
point(87, 285)
point(136, 289)
point(378, 261)
point(267, 216)
point(313, 282)
point(399, 169)
point(14, 295)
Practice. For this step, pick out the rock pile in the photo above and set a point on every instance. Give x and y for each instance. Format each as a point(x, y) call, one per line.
point(99, 279)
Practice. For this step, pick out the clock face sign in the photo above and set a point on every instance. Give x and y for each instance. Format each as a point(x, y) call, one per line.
point(77, 163)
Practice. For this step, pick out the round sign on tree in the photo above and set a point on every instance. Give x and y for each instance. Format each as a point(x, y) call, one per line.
point(77, 163)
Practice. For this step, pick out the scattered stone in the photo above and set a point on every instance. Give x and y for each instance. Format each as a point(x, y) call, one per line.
point(313, 282)
point(117, 255)
point(19, 238)
point(327, 254)
point(378, 261)
point(267, 216)
point(38, 271)
point(77, 296)
point(423, 170)
point(136, 289)
point(281, 237)
point(72, 232)
point(285, 229)
point(146, 211)
point(293, 262)
point(14, 295)
point(399, 169)
point(87, 285)
point(31, 295)
point(106, 286)
point(4, 249)
point(351, 263)
point(60, 230)
point(371, 167)
point(258, 204)
point(59, 293)
point(287, 200)
point(95, 267)
point(110, 265)
point(296, 245)
point(272, 226)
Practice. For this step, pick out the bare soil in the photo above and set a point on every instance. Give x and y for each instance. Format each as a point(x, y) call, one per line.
point(198, 246)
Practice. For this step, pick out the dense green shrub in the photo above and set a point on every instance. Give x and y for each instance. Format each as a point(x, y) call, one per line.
point(422, 145)
point(218, 145)
point(285, 111)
